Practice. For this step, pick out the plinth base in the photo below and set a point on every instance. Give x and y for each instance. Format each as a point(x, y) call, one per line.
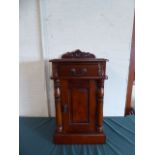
point(76, 138)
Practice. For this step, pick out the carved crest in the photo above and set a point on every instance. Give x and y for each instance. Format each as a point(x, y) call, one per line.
point(78, 54)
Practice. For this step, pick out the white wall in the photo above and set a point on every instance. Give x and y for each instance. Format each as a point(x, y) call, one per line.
point(32, 96)
point(30, 40)
point(99, 26)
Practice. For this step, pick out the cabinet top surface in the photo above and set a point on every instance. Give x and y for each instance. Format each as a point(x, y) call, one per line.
point(78, 60)
point(78, 56)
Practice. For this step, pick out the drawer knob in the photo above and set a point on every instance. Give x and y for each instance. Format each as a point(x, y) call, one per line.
point(73, 71)
point(84, 70)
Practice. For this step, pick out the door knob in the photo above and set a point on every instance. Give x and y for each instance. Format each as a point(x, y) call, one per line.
point(65, 108)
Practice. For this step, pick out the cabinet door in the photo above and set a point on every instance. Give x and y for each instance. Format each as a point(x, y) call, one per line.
point(78, 99)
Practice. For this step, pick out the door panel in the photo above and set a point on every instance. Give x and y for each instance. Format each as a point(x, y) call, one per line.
point(79, 105)
point(80, 99)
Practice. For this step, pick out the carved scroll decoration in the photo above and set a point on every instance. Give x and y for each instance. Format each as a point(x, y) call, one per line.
point(78, 54)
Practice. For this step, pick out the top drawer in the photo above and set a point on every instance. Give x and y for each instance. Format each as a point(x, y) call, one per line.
point(79, 70)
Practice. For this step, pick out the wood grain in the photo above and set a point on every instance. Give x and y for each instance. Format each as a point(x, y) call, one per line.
point(79, 92)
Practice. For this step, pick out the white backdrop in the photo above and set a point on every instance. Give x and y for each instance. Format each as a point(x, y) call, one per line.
point(49, 28)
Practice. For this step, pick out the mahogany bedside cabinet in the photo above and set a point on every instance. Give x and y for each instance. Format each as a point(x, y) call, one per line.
point(79, 89)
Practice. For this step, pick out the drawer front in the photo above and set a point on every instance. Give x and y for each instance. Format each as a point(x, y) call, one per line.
point(78, 70)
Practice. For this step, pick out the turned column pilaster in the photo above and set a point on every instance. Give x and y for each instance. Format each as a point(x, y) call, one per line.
point(58, 105)
point(100, 93)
